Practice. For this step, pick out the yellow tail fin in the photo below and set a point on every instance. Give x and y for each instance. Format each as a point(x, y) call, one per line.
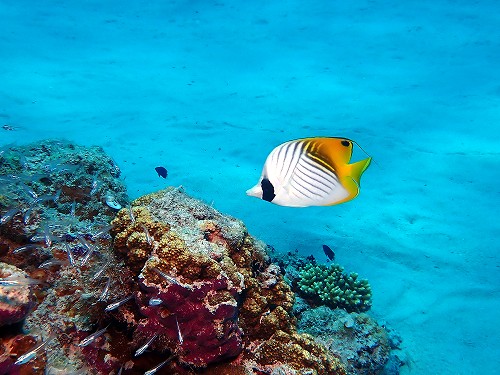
point(358, 168)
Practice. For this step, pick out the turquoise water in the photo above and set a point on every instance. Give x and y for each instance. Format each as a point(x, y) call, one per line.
point(208, 89)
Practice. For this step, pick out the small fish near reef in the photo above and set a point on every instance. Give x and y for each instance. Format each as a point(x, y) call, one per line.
point(310, 172)
point(162, 172)
point(329, 253)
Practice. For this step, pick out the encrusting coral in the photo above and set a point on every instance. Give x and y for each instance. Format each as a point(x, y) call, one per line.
point(329, 285)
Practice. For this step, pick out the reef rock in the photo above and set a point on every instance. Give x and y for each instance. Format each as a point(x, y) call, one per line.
point(361, 343)
point(216, 295)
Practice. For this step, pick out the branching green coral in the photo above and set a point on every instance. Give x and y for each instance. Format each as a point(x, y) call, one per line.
point(332, 287)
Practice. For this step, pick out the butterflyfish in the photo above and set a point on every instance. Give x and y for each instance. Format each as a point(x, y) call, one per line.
point(310, 172)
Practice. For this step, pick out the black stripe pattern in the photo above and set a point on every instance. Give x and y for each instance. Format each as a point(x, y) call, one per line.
point(302, 171)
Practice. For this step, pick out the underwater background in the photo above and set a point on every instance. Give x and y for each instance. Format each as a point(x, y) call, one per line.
point(208, 89)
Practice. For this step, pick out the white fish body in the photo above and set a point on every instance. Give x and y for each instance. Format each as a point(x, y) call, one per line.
point(310, 172)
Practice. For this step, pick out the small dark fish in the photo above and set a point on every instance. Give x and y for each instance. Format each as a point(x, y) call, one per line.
point(162, 172)
point(329, 253)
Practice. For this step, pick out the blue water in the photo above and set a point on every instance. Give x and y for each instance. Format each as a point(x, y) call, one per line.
point(208, 89)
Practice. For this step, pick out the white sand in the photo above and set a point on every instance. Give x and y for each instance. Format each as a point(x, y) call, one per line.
point(207, 89)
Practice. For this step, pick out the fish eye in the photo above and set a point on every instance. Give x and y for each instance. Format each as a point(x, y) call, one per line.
point(267, 190)
point(345, 143)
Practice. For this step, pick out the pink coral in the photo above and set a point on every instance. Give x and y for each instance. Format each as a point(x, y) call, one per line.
point(15, 301)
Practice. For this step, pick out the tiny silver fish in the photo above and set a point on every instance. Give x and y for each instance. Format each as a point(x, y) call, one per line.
point(155, 301)
point(143, 348)
point(45, 198)
point(73, 209)
point(37, 238)
point(91, 338)
point(18, 281)
point(149, 239)
point(8, 215)
point(131, 214)
point(84, 242)
point(159, 366)
point(57, 195)
point(51, 262)
point(181, 339)
point(28, 356)
point(29, 191)
point(105, 292)
point(101, 270)
point(47, 236)
point(117, 304)
point(95, 185)
point(170, 279)
point(27, 215)
point(70, 254)
point(87, 257)
point(90, 251)
point(30, 246)
point(103, 231)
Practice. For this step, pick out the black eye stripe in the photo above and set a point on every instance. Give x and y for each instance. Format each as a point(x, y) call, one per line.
point(267, 190)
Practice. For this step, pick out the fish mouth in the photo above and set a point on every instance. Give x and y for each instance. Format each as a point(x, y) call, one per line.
point(256, 191)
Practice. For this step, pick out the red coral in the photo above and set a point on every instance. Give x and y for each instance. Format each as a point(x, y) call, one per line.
point(199, 323)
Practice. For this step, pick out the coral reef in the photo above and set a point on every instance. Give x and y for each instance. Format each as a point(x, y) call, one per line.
point(329, 285)
point(168, 280)
point(94, 284)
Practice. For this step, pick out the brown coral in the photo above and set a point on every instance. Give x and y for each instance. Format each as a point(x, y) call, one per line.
point(298, 351)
